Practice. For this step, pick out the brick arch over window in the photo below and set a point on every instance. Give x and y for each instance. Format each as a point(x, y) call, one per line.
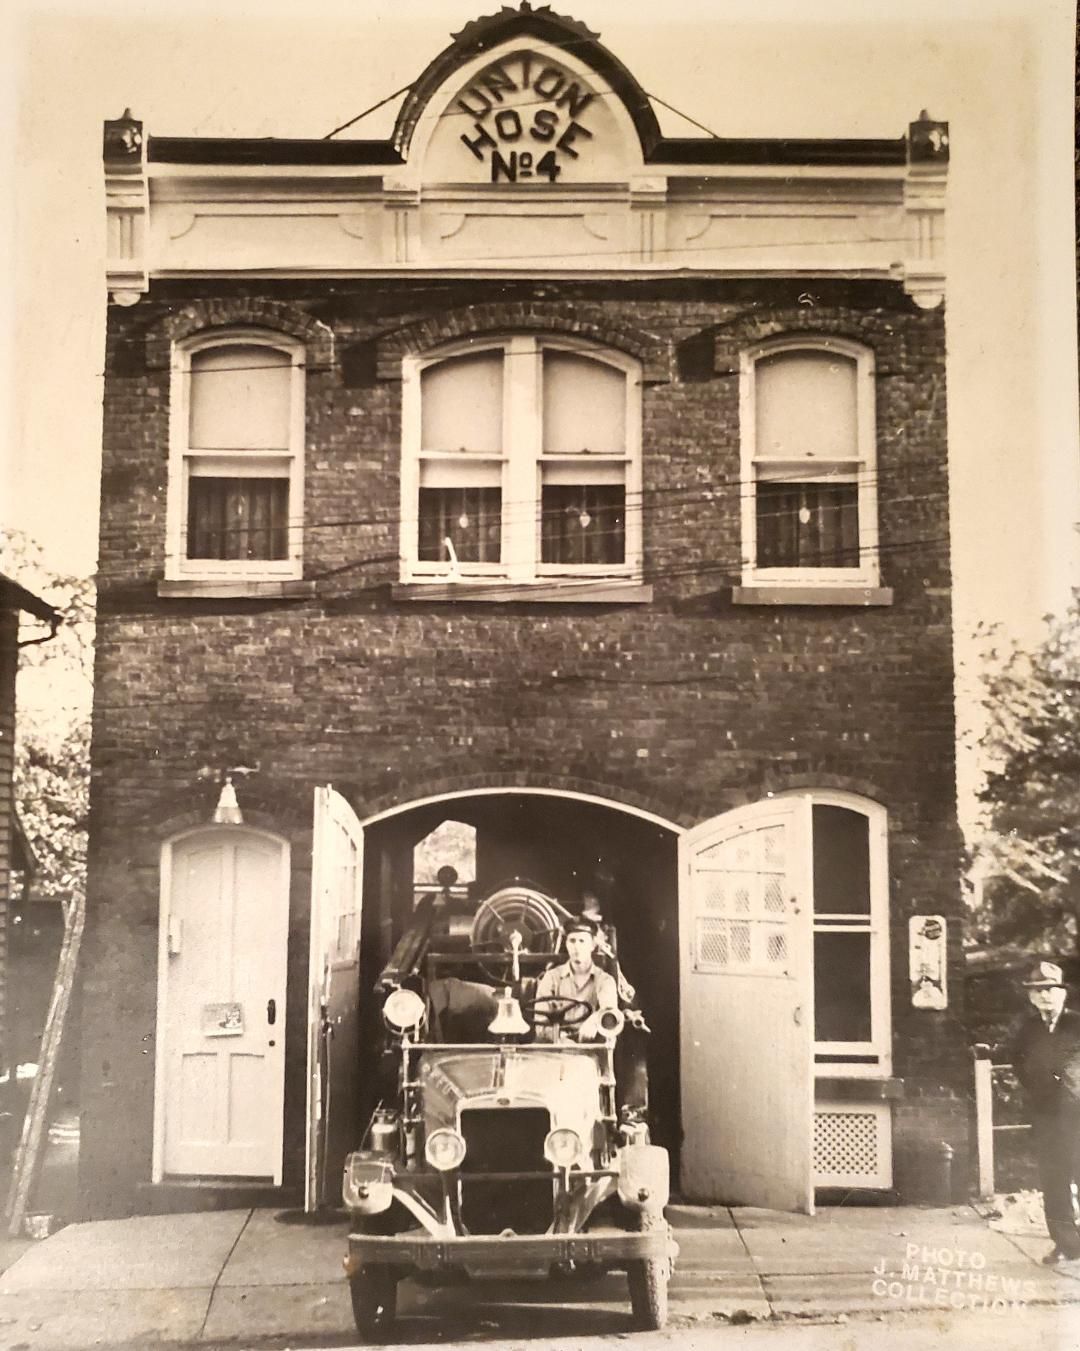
point(616, 796)
point(867, 789)
point(809, 323)
point(550, 318)
point(206, 316)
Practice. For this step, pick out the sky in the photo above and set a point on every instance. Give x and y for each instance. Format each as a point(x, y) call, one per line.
point(1000, 71)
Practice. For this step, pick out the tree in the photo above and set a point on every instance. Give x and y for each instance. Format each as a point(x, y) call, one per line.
point(1031, 850)
point(52, 735)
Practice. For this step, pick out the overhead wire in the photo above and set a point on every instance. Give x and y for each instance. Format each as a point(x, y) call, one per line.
point(643, 502)
point(518, 514)
point(508, 509)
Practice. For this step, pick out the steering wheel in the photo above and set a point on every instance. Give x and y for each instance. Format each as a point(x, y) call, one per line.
point(558, 1010)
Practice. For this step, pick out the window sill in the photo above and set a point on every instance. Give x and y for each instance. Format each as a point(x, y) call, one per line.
point(228, 588)
point(571, 591)
point(812, 595)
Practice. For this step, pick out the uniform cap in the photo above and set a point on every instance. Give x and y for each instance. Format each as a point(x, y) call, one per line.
point(580, 925)
point(1043, 976)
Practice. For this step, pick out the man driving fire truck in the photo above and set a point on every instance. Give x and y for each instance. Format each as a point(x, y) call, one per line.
point(579, 979)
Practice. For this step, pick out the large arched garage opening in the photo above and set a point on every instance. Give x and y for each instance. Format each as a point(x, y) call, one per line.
point(564, 846)
point(562, 843)
point(758, 940)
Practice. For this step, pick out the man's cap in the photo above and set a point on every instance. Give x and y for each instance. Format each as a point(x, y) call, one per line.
point(580, 925)
point(1043, 976)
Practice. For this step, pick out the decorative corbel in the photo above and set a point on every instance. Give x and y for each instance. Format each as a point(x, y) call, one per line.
point(648, 215)
point(126, 208)
point(402, 203)
point(924, 203)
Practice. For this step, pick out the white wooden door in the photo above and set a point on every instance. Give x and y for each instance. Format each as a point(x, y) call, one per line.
point(337, 881)
point(747, 1068)
point(221, 1006)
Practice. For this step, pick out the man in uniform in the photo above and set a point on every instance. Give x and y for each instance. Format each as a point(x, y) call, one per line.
point(1046, 1058)
point(579, 978)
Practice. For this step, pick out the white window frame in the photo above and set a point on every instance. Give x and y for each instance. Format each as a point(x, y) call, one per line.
point(877, 926)
point(867, 573)
point(522, 462)
point(178, 567)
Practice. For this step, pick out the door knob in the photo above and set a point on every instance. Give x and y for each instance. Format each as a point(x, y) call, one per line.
point(271, 1011)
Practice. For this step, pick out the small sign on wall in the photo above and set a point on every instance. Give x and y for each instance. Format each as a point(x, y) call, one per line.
point(222, 1020)
point(927, 946)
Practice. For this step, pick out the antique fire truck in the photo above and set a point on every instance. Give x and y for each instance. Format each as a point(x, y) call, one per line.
point(503, 1146)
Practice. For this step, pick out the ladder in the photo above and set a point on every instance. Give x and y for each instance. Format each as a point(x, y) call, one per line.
point(28, 1153)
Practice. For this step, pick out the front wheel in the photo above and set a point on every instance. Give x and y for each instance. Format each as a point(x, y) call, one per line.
point(648, 1281)
point(374, 1302)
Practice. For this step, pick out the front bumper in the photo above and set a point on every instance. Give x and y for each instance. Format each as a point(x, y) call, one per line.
point(608, 1247)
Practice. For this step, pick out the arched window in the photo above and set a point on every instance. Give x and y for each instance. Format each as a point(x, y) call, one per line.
point(521, 462)
point(236, 457)
point(808, 463)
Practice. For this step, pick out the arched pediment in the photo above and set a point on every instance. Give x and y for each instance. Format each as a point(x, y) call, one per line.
point(525, 97)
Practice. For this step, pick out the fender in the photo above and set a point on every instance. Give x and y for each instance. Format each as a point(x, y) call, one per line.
point(644, 1177)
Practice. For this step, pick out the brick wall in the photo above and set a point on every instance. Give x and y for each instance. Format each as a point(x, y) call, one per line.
point(685, 707)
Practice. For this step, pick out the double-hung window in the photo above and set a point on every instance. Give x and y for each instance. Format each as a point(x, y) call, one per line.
point(236, 463)
point(521, 463)
point(808, 464)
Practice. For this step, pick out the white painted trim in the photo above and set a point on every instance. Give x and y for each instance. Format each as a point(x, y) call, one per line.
point(880, 1043)
point(177, 566)
point(460, 793)
point(165, 882)
point(521, 460)
point(549, 268)
point(367, 178)
point(867, 574)
point(412, 172)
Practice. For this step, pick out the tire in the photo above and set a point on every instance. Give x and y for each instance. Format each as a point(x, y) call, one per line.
point(374, 1302)
point(647, 1279)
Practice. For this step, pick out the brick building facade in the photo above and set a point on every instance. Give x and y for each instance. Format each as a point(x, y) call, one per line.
point(364, 403)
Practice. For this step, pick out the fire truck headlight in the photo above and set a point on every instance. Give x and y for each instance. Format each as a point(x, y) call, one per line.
point(445, 1149)
point(562, 1148)
point(404, 1011)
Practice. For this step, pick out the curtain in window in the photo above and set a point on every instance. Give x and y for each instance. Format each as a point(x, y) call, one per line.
point(584, 406)
point(471, 518)
point(240, 398)
point(462, 404)
point(238, 518)
point(583, 523)
point(807, 525)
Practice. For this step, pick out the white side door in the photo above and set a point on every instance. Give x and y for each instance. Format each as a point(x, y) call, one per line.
point(221, 1006)
point(747, 1068)
point(337, 881)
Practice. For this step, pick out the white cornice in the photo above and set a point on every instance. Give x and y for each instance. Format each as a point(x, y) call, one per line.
point(312, 221)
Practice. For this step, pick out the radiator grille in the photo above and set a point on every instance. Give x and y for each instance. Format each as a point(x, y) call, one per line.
point(853, 1146)
point(506, 1140)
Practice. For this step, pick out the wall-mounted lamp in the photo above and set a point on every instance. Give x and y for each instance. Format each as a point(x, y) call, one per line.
point(227, 812)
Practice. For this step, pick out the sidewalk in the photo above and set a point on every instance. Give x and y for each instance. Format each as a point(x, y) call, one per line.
point(245, 1275)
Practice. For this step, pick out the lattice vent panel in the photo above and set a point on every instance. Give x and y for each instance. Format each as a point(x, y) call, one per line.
point(853, 1145)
